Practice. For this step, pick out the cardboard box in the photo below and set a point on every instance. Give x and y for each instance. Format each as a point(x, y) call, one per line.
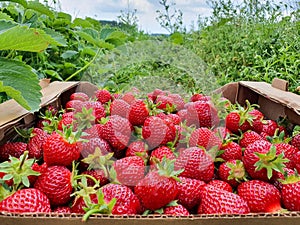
point(274, 100)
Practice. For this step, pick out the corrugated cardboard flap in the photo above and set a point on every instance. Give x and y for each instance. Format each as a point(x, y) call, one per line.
point(288, 99)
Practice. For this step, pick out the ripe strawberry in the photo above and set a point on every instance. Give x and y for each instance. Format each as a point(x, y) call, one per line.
point(197, 164)
point(296, 141)
point(129, 170)
point(138, 148)
point(25, 201)
point(79, 203)
point(62, 210)
point(217, 201)
point(177, 210)
point(56, 184)
point(74, 105)
point(127, 203)
point(159, 153)
point(199, 97)
point(178, 101)
point(119, 107)
point(15, 149)
point(67, 120)
point(138, 112)
point(249, 137)
point(79, 96)
point(174, 118)
point(38, 168)
point(157, 131)
point(260, 196)
point(189, 192)
point(165, 103)
point(202, 114)
point(290, 193)
point(232, 171)
point(289, 152)
point(98, 110)
point(269, 127)
point(223, 185)
point(296, 161)
point(204, 137)
point(158, 187)
point(98, 174)
point(257, 120)
point(61, 149)
point(103, 96)
point(278, 178)
point(261, 158)
point(230, 150)
point(88, 147)
point(36, 141)
point(182, 114)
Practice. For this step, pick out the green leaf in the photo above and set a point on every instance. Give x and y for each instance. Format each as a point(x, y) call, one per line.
point(21, 2)
point(17, 37)
point(68, 54)
point(39, 7)
point(78, 22)
point(19, 82)
point(4, 16)
point(91, 36)
point(58, 37)
point(177, 38)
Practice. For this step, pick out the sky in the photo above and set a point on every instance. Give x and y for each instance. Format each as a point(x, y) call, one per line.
point(146, 11)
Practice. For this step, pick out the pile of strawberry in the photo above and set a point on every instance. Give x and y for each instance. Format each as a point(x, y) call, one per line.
point(131, 154)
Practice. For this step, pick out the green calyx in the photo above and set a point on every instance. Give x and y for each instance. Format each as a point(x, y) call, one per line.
point(278, 138)
point(101, 207)
point(71, 136)
point(85, 118)
point(166, 168)
point(270, 161)
point(290, 179)
point(18, 170)
point(237, 171)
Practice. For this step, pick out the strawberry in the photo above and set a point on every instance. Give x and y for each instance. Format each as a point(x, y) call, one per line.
point(223, 185)
point(217, 201)
point(174, 118)
point(261, 158)
point(289, 152)
point(98, 174)
point(138, 148)
point(36, 141)
point(79, 203)
point(127, 203)
point(278, 178)
point(230, 150)
point(98, 110)
point(296, 161)
point(197, 164)
point(62, 210)
point(79, 96)
point(159, 153)
point(204, 137)
point(158, 187)
point(89, 146)
point(56, 184)
point(67, 120)
point(249, 137)
point(290, 193)
point(189, 192)
point(177, 210)
point(178, 101)
point(296, 141)
point(232, 171)
point(138, 112)
point(165, 103)
point(182, 114)
point(260, 196)
point(119, 107)
point(15, 149)
point(257, 120)
point(28, 200)
point(202, 114)
point(269, 127)
point(74, 105)
point(103, 96)
point(62, 148)
point(38, 168)
point(199, 97)
point(129, 170)
point(157, 131)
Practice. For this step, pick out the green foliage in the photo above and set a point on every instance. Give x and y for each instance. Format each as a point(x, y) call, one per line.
point(251, 41)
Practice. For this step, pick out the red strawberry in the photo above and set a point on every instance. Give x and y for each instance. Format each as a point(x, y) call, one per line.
point(296, 141)
point(138, 148)
point(223, 185)
point(61, 149)
point(88, 147)
point(177, 210)
point(62, 210)
point(182, 114)
point(249, 137)
point(165, 103)
point(98, 110)
point(202, 114)
point(157, 131)
point(79, 96)
point(204, 137)
point(67, 120)
point(257, 120)
point(296, 161)
point(159, 153)
point(174, 118)
point(269, 127)
point(278, 177)
point(138, 112)
point(56, 184)
point(36, 141)
point(197, 164)
point(230, 150)
point(15, 149)
point(158, 187)
point(99, 175)
point(199, 97)
point(232, 171)
point(119, 107)
point(25, 201)
point(261, 158)
point(260, 196)
point(289, 152)
point(290, 193)
point(178, 101)
point(189, 192)
point(217, 201)
point(103, 96)
point(79, 203)
point(74, 105)
point(38, 168)
point(129, 170)
point(127, 202)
